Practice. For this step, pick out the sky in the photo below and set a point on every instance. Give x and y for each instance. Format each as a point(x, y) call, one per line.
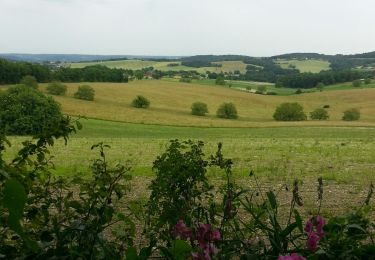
point(187, 27)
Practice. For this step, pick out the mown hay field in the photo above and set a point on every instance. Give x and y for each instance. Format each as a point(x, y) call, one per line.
point(171, 104)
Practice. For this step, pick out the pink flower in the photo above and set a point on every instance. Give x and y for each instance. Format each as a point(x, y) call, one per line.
point(182, 231)
point(320, 222)
point(216, 235)
point(308, 226)
point(293, 256)
point(312, 242)
point(195, 256)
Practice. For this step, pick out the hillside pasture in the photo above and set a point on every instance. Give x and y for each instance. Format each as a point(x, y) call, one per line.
point(171, 104)
point(308, 65)
point(226, 66)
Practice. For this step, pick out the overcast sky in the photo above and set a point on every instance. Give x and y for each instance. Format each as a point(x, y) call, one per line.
point(187, 27)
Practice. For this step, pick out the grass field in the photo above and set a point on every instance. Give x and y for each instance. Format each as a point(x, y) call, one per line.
point(171, 102)
point(343, 156)
point(312, 65)
point(227, 66)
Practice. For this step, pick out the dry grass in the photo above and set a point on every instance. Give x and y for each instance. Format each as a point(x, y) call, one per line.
point(171, 102)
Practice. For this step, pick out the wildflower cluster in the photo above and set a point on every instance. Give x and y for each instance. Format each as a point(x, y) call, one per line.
point(314, 231)
point(203, 236)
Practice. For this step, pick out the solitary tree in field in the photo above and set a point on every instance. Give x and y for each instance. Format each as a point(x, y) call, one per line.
point(220, 80)
point(56, 88)
point(320, 86)
point(357, 83)
point(141, 102)
point(227, 110)
point(199, 109)
point(289, 112)
point(29, 81)
point(85, 92)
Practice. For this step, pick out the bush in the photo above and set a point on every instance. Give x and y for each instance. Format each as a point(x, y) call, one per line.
point(357, 83)
point(289, 112)
point(220, 81)
point(85, 92)
point(56, 88)
point(352, 114)
point(319, 114)
point(29, 81)
point(320, 86)
point(326, 106)
point(26, 111)
point(368, 81)
point(227, 110)
point(298, 91)
point(185, 80)
point(199, 109)
point(141, 102)
point(262, 89)
point(271, 93)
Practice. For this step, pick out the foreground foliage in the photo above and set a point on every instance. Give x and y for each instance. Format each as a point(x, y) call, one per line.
point(43, 216)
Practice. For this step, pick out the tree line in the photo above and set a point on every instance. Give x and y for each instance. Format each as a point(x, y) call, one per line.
point(311, 80)
point(12, 73)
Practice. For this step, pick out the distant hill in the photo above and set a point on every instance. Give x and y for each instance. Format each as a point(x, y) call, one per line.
point(41, 58)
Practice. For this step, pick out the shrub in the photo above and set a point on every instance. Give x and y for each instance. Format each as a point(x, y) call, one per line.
point(320, 86)
point(180, 185)
point(199, 109)
point(298, 91)
point(352, 114)
point(368, 81)
point(29, 81)
point(56, 88)
point(326, 106)
point(227, 110)
point(26, 111)
point(261, 89)
point(319, 114)
point(185, 80)
point(141, 102)
point(85, 92)
point(220, 81)
point(271, 93)
point(357, 83)
point(289, 112)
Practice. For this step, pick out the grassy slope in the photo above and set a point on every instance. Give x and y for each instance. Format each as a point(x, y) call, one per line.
point(171, 101)
point(282, 153)
point(314, 66)
point(227, 66)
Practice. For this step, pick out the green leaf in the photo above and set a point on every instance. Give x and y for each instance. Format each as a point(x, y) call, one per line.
point(272, 199)
point(14, 200)
point(298, 220)
point(131, 254)
point(179, 250)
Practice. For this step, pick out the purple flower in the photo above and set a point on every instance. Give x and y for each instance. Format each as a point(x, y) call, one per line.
point(308, 226)
point(293, 256)
point(312, 242)
point(320, 222)
point(216, 235)
point(182, 231)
